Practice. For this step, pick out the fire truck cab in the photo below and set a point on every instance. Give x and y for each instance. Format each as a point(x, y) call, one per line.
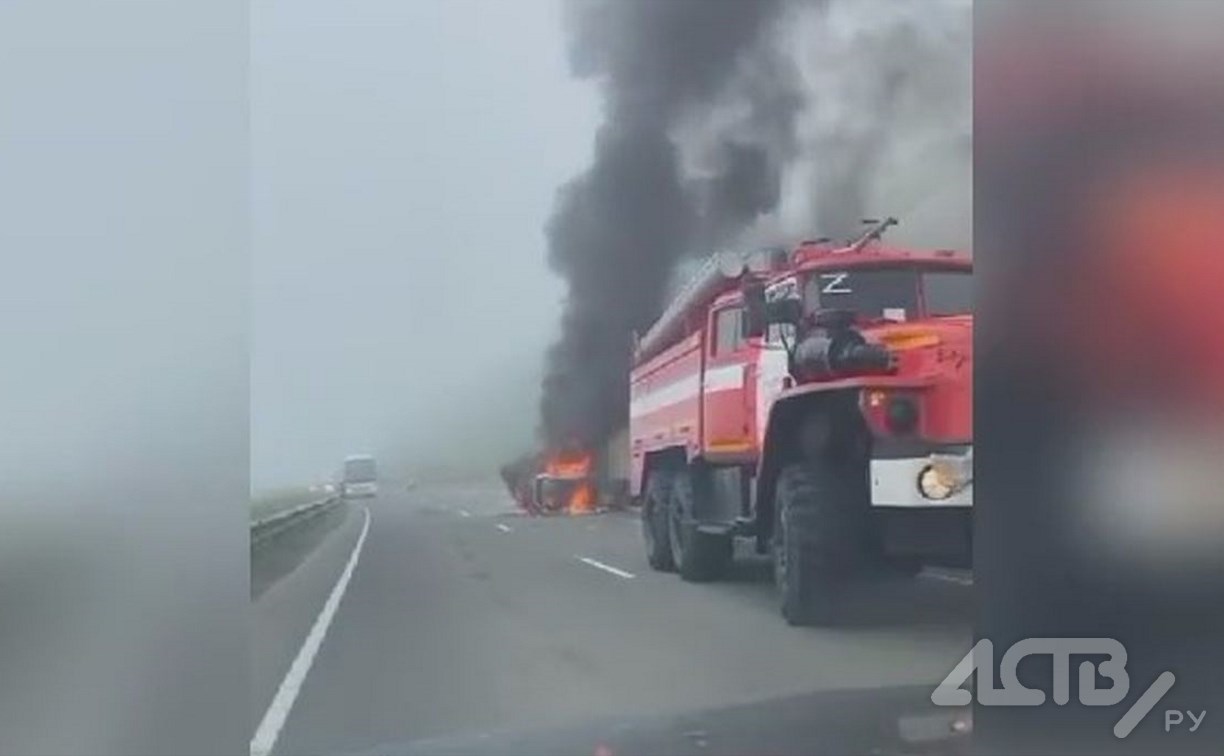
point(818, 402)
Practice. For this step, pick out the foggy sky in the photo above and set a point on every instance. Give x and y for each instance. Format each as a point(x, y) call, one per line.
point(405, 156)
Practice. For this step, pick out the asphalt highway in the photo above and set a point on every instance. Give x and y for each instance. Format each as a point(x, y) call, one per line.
point(437, 613)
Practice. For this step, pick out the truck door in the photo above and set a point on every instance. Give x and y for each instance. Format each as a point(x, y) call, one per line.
point(726, 402)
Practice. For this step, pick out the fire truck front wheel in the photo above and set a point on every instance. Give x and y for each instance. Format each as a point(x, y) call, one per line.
point(814, 550)
point(654, 521)
point(699, 556)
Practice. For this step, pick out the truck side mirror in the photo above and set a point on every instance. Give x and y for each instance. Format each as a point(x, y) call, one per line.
point(753, 323)
point(760, 314)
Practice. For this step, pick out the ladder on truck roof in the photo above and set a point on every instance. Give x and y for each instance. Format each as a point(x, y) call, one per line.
point(718, 269)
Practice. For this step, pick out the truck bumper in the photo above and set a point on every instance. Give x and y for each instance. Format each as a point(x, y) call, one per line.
point(939, 479)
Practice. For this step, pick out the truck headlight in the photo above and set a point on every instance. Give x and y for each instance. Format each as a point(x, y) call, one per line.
point(933, 483)
point(946, 475)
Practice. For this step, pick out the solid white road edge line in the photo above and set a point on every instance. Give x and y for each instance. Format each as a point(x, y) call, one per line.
point(605, 567)
point(278, 711)
point(503, 527)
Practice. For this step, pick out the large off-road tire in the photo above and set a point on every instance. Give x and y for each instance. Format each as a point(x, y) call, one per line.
point(699, 556)
point(821, 542)
point(654, 521)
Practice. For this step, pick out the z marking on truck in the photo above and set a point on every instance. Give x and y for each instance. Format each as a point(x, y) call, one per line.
point(834, 285)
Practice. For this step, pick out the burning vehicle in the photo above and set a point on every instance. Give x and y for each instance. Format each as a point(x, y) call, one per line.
point(571, 480)
point(565, 484)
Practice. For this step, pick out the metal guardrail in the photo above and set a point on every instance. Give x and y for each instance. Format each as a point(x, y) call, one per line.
point(263, 529)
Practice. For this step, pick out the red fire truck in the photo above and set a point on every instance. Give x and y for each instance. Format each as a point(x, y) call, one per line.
point(817, 401)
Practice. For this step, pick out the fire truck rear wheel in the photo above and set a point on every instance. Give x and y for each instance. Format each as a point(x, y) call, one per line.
point(815, 552)
point(654, 521)
point(699, 556)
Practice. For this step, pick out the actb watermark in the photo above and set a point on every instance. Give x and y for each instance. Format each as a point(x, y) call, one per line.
point(980, 659)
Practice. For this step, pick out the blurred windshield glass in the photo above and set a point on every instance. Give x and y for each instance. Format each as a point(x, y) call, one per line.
point(947, 292)
point(890, 293)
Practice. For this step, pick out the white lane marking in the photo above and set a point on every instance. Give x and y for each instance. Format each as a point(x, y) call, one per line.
point(503, 528)
point(278, 711)
point(464, 513)
point(949, 577)
point(605, 567)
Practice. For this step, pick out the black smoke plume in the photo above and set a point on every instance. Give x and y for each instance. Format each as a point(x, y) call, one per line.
point(726, 122)
point(619, 228)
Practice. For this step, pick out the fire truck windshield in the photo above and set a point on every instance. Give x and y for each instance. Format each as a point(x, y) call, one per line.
point(947, 292)
point(890, 293)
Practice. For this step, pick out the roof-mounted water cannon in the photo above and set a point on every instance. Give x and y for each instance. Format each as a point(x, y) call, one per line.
point(876, 230)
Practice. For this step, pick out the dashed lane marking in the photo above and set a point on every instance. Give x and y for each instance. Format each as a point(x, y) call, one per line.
point(605, 567)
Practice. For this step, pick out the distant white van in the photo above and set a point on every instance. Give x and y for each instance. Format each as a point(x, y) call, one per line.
point(359, 478)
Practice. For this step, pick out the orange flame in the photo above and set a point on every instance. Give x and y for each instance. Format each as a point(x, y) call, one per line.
point(571, 465)
point(583, 500)
point(574, 465)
